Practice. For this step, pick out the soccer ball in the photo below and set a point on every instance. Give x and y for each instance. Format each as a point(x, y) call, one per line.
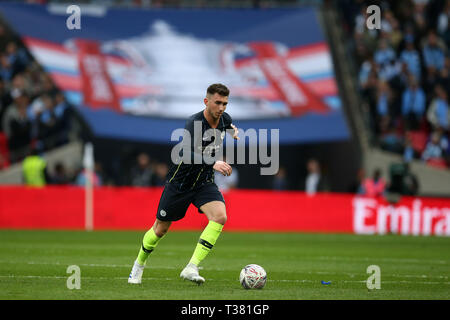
point(253, 277)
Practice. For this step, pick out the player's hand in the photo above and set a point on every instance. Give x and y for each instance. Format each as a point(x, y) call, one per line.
point(223, 167)
point(236, 131)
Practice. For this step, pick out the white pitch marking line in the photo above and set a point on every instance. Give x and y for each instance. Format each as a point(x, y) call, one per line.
point(294, 281)
point(222, 269)
point(406, 260)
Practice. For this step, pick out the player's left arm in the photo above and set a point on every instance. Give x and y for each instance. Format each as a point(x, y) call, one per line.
point(236, 132)
point(230, 126)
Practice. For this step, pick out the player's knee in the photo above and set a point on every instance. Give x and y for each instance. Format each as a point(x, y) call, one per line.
point(220, 218)
point(161, 229)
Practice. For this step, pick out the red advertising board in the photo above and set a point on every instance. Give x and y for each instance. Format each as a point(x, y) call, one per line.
point(247, 210)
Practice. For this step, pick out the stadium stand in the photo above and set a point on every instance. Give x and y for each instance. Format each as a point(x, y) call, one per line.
point(403, 74)
point(33, 112)
point(406, 106)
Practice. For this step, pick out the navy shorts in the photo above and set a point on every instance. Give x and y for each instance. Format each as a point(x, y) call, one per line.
point(174, 203)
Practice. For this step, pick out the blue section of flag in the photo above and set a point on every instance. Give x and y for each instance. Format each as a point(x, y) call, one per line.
point(237, 25)
point(108, 123)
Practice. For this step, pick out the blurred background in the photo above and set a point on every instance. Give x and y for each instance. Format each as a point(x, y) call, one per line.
point(360, 111)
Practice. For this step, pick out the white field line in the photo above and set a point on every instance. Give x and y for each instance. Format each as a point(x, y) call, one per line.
point(352, 275)
point(172, 267)
point(177, 279)
point(401, 260)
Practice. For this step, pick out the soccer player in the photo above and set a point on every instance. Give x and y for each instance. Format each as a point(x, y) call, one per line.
point(194, 183)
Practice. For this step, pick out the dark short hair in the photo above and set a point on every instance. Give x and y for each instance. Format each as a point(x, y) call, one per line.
point(218, 88)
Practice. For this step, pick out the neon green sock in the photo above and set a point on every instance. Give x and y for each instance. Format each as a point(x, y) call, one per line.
point(148, 245)
point(207, 240)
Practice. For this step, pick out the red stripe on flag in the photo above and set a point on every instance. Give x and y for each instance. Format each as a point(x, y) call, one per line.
point(98, 89)
point(297, 95)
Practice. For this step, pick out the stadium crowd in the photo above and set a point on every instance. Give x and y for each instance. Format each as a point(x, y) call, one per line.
point(33, 112)
point(403, 73)
point(144, 172)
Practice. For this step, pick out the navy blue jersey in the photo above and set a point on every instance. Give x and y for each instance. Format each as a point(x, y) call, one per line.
point(188, 176)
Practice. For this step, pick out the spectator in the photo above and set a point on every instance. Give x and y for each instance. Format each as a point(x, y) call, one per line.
point(390, 29)
point(97, 176)
point(17, 57)
point(5, 100)
point(375, 186)
point(160, 176)
point(279, 180)
point(365, 38)
point(409, 153)
point(389, 138)
point(22, 84)
point(369, 85)
point(431, 81)
point(443, 26)
point(384, 54)
point(433, 51)
point(46, 84)
point(434, 148)
point(391, 71)
point(385, 58)
point(60, 175)
point(443, 142)
point(368, 68)
point(34, 169)
point(48, 123)
point(6, 71)
point(61, 111)
point(444, 76)
point(142, 173)
point(315, 181)
point(357, 185)
point(413, 104)
point(383, 99)
point(438, 114)
point(419, 7)
point(411, 58)
point(17, 127)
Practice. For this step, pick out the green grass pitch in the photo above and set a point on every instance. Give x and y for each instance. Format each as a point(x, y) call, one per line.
point(33, 265)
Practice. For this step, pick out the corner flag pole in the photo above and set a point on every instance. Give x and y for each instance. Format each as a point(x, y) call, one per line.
point(88, 163)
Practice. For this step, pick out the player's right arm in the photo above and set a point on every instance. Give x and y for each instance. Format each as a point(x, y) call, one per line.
point(222, 167)
point(193, 145)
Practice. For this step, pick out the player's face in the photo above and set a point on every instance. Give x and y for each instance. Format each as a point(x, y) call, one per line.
point(216, 105)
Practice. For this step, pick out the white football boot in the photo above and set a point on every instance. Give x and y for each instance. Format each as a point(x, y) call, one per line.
point(190, 272)
point(136, 273)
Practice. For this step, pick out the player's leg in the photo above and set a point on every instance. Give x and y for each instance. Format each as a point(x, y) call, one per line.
point(149, 242)
point(151, 239)
point(215, 211)
point(172, 207)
